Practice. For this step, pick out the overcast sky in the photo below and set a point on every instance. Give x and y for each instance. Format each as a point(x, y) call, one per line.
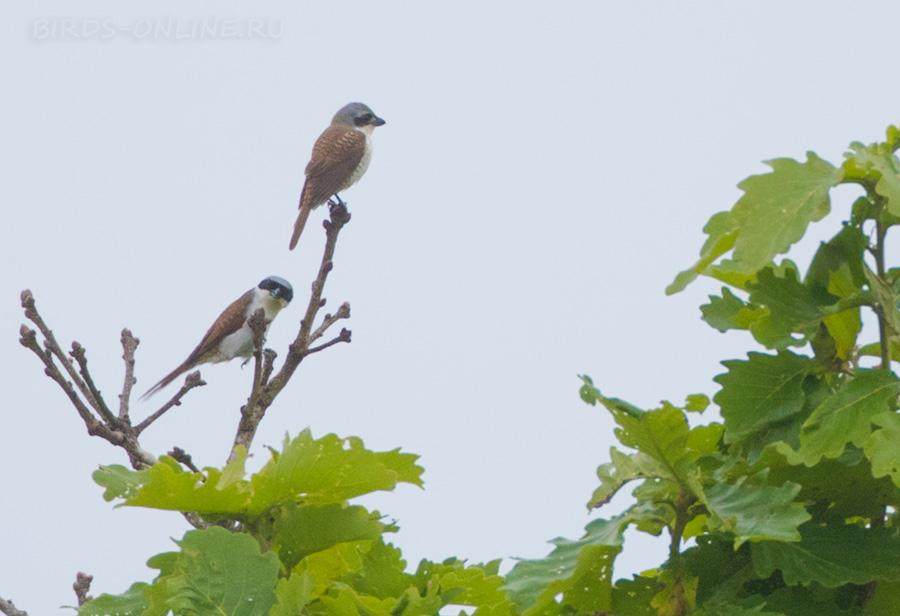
point(545, 171)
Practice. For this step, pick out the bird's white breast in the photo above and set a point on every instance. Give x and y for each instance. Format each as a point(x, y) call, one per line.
point(366, 157)
point(240, 343)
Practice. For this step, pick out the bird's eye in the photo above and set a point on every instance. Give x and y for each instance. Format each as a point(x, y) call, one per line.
point(363, 119)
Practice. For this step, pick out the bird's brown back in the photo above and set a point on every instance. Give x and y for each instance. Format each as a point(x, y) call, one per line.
point(336, 154)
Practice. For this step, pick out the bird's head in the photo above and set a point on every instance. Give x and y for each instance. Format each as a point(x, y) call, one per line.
point(357, 115)
point(279, 289)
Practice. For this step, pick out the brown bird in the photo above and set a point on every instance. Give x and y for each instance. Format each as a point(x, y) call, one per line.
point(230, 336)
point(340, 157)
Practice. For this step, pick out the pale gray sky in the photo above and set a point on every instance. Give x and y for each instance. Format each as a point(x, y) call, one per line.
point(545, 171)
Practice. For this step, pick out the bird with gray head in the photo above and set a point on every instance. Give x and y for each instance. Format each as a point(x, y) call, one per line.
point(230, 336)
point(340, 157)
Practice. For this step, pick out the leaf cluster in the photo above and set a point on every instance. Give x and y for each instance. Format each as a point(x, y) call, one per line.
point(788, 505)
point(286, 540)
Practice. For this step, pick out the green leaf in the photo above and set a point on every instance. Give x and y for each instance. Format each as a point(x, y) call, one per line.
point(335, 562)
point(329, 470)
point(722, 230)
point(622, 469)
point(842, 254)
point(632, 597)
point(119, 481)
point(777, 207)
point(730, 312)
point(793, 308)
point(771, 216)
point(129, 603)
point(832, 556)
point(381, 572)
point(885, 600)
point(293, 594)
point(168, 486)
point(344, 601)
point(300, 531)
point(476, 585)
point(322, 471)
point(755, 512)
point(592, 396)
point(877, 162)
point(661, 434)
point(581, 570)
point(835, 491)
point(696, 403)
point(883, 447)
point(217, 572)
point(730, 609)
point(761, 391)
point(845, 417)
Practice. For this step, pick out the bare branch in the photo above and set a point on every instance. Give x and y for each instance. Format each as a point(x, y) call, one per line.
point(95, 428)
point(190, 382)
point(343, 312)
point(9, 609)
point(82, 587)
point(115, 430)
point(344, 336)
point(183, 457)
point(96, 399)
point(129, 345)
point(50, 343)
point(268, 364)
point(258, 324)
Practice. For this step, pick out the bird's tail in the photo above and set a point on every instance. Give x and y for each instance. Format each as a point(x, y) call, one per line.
point(177, 372)
point(298, 226)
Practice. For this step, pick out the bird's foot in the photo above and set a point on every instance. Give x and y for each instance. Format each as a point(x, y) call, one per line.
point(338, 209)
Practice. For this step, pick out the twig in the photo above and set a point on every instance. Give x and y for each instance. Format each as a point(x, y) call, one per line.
point(193, 380)
point(9, 609)
point(344, 336)
point(98, 402)
point(258, 324)
point(343, 312)
point(268, 364)
point(50, 343)
point(129, 345)
point(183, 457)
point(82, 587)
point(28, 339)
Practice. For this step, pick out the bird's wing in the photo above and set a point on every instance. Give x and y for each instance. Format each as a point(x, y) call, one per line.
point(231, 320)
point(336, 155)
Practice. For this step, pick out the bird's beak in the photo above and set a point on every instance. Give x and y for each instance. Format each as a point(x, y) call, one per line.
point(376, 121)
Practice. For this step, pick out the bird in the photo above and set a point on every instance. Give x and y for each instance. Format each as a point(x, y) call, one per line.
point(230, 336)
point(340, 157)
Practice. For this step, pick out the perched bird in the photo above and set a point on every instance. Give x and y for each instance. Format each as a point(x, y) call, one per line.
point(230, 336)
point(340, 157)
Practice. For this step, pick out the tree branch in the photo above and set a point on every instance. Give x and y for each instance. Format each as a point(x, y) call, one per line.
point(183, 457)
point(98, 402)
point(9, 609)
point(264, 390)
point(82, 587)
point(115, 430)
point(193, 380)
point(129, 345)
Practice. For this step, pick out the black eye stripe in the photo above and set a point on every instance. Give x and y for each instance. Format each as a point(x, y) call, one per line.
point(278, 289)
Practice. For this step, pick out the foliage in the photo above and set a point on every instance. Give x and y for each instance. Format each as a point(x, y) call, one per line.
point(790, 502)
point(286, 541)
point(787, 506)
